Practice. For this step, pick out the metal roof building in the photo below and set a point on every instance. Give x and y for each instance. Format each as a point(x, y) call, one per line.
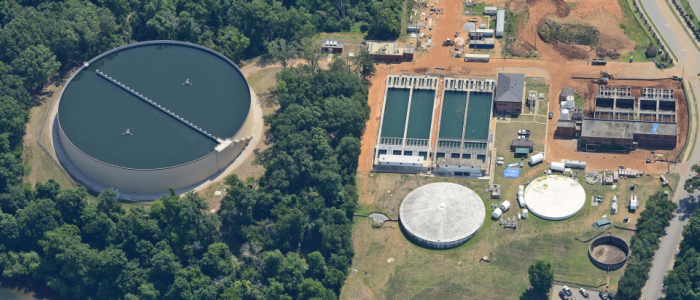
point(500, 22)
point(442, 215)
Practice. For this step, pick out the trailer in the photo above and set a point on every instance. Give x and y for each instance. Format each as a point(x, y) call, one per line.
point(574, 164)
point(500, 22)
point(477, 57)
point(484, 32)
point(599, 62)
point(483, 44)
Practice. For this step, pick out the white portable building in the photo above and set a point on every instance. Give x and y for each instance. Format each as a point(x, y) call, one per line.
point(557, 166)
point(633, 202)
point(500, 22)
point(505, 206)
point(536, 159)
point(477, 57)
point(497, 213)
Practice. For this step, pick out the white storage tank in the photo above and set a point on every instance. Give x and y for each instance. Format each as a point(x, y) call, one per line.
point(521, 200)
point(569, 101)
point(564, 114)
point(557, 166)
point(524, 213)
point(497, 213)
point(536, 159)
point(521, 189)
point(505, 206)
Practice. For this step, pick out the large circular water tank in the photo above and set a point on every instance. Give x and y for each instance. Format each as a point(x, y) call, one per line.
point(442, 215)
point(150, 115)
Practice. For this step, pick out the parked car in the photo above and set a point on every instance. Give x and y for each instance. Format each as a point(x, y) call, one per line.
point(567, 290)
point(551, 115)
point(583, 292)
point(524, 132)
point(603, 296)
point(520, 137)
point(563, 295)
point(611, 296)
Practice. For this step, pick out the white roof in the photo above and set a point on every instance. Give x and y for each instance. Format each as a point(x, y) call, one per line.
point(547, 202)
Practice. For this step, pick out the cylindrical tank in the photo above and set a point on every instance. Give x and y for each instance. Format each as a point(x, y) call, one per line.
point(519, 217)
point(536, 159)
point(524, 213)
point(521, 200)
point(521, 189)
point(497, 213)
point(505, 206)
point(564, 114)
point(557, 166)
point(570, 102)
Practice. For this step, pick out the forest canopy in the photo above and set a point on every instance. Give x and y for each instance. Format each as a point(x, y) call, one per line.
point(283, 236)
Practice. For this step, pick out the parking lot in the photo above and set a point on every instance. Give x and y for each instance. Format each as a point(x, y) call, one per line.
point(592, 294)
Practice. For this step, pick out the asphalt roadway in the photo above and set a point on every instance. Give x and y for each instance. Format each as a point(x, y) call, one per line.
point(688, 57)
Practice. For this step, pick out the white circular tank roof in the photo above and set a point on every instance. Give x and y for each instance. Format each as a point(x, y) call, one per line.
point(442, 214)
point(554, 197)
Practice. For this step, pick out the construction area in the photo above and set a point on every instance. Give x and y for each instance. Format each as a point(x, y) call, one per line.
point(527, 137)
point(646, 117)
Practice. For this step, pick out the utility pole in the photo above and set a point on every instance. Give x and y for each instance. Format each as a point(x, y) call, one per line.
point(535, 36)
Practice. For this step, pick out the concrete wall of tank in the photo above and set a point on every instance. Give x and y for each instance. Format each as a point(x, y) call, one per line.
point(434, 244)
point(151, 181)
point(609, 240)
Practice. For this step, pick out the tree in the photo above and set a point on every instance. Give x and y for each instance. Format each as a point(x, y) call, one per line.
point(36, 65)
point(283, 52)
point(232, 42)
point(363, 63)
point(541, 276)
point(693, 183)
point(311, 52)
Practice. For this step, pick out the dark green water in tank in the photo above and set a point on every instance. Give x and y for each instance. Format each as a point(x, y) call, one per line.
point(94, 112)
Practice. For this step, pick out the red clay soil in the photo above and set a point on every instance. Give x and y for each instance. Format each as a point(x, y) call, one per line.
point(556, 67)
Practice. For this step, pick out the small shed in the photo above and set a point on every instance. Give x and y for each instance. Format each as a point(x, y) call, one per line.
point(332, 46)
point(490, 10)
point(651, 51)
point(496, 191)
point(529, 145)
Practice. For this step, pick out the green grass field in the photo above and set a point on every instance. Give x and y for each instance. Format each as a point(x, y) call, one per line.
point(630, 24)
point(540, 85)
point(398, 269)
point(691, 13)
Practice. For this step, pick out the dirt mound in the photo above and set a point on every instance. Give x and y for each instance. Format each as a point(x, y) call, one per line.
point(561, 8)
point(606, 53)
point(570, 51)
point(577, 33)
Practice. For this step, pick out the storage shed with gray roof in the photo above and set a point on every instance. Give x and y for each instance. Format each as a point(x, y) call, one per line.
point(509, 93)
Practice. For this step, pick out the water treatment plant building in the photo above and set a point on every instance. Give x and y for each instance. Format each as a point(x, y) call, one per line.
point(435, 124)
point(441, 215)
point(152, 115)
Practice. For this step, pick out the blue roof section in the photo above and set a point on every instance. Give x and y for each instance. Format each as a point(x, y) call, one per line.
point(656, 126)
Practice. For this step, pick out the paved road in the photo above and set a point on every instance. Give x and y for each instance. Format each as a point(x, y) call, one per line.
point(688, 56)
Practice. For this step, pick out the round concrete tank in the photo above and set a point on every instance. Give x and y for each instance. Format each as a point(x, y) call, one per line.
point(609, 252)
point(441, 215)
